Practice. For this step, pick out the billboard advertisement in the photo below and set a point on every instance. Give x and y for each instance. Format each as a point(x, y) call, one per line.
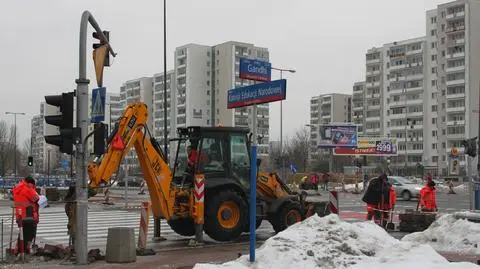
point(255, 70)
point(337, 135)
point(257, 94)
point(372, 146)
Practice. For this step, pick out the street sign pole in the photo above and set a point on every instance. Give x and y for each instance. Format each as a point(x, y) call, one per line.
point(81, 150)
point(253, 187)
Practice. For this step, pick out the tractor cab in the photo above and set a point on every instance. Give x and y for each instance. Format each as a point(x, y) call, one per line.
point(221, 154)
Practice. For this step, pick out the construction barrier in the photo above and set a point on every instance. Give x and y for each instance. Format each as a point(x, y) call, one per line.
point(144, 217)
point(142, 188)
point(333, 202)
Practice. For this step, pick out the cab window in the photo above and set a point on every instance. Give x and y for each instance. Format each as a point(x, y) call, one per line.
point(211, 158)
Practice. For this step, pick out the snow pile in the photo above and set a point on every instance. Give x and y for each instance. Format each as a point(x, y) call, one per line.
point(350, 187)
point(449, 234)
point(330, 243)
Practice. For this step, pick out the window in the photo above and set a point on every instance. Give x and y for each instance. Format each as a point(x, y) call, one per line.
point(211, 158)
point(434, 82)
point(434, 108)
point(435, 159)
point(434, 70)
point(442, 41)
point(434, 120)
point(434, 133)
point(240, 158)
point(444, 145)
point(433, 20)
point(434, 45)
point(433, 32)
point(434, 57)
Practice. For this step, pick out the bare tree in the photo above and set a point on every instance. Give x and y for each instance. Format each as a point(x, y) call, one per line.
point(298, 149)
point(26, 147)
point(4, 148)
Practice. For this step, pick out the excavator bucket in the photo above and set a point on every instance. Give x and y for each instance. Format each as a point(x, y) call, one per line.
point(117, 143)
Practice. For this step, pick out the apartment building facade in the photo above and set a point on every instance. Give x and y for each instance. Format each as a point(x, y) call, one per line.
point(204, 74)
point(404, 93)
point(39, 148)
point(453, 34)
point(358, 107)
point(329, 108)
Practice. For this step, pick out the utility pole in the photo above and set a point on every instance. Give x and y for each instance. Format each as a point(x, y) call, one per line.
point(15, 139)
point(157, 221)
point(81, 150)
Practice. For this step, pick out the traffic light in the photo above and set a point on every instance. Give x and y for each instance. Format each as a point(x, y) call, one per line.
point(68, 136)
point(102, 43)
point(99, 137)
point(30, 161)
point(470, 146)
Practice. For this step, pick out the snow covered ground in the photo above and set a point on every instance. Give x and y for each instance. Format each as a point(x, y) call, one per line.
point(450, 235)
point(330, 243)
point(350, 187)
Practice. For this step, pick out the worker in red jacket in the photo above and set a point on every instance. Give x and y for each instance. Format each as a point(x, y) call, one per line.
point(25, 199)
point(428, 200)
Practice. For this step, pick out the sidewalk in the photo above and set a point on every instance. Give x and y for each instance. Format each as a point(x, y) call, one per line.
point(185, 258)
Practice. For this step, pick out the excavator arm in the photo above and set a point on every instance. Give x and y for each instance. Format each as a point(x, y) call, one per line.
point(131, 131)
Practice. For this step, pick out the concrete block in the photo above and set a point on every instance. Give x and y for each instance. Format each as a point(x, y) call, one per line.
point(121, 246)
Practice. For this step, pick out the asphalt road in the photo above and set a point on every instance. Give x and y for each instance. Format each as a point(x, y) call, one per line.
point(447, 203)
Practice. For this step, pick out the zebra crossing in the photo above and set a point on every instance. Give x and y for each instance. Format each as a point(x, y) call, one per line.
point(52, 228)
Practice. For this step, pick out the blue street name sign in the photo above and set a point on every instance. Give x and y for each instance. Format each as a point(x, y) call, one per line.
point(255, 70)
point(257, 94)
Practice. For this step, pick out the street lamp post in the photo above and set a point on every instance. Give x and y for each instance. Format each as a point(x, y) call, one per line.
point(15, 138)
point(281, 116)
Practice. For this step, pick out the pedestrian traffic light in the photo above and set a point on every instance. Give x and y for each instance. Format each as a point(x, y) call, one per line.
point(470, 146)
point(30, 161)
point(68, 136)
point(99, 136)
point(102, 43)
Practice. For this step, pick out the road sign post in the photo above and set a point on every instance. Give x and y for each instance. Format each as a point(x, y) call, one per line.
point(252, 96)
point(82, 123)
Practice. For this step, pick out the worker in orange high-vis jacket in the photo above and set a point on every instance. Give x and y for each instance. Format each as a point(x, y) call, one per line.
point(428, 199)
point(25, 199)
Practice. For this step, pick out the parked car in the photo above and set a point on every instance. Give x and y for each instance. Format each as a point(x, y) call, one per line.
point(404, 188)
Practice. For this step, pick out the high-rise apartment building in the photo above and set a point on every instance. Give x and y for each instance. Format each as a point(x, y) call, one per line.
point(403, 98)
point(329, 108)
point(204, 74)
point(358, 100)
point(453, 37)
point(158, 104)
point(138, 90)
point(39, 148)
point(373, 93)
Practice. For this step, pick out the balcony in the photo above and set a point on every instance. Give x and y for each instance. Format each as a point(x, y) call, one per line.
point(411, 52)
point(456, 109)
point(372, 119)
point(397, 67)
point(456, 96)
point(460, 41)
point(415, 114)
point(455, 122)
point(454, 29)
point(372, 130)
point(373, 107)
point(396, 91)
point(397, 128)
point(456, 82)
point(455, 55)
point(357, 108)
point(456, 68)
point(326, 117)
point(455, 15)
point(397, 116)
point(373, 73)
point(372, 61)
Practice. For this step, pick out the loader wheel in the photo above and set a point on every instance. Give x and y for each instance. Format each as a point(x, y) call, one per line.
point(185, 227)
point(225, 216)
point(289, 214)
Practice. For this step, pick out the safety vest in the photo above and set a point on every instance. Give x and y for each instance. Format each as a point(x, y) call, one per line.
point(25, 196)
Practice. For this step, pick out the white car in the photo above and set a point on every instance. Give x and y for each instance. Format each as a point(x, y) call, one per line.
point(404, 188)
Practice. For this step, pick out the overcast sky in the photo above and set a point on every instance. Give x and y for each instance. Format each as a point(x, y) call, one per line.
point(325, 41)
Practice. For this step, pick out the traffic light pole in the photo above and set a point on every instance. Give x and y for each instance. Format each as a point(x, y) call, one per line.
point(82, 123)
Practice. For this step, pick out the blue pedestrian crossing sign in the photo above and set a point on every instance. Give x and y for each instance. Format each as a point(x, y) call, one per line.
point(98, 104)
point(64, 164)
